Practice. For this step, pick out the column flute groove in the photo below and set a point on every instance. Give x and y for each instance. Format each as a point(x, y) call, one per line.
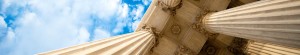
point(85, 45)
point(275, 21)
point(131, 43)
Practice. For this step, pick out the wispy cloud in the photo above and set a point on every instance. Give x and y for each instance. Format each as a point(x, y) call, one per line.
point(100, 34)
point(2, 22)
point(33, 26)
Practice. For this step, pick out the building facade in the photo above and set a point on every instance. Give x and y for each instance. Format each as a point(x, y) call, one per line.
point(206, 27)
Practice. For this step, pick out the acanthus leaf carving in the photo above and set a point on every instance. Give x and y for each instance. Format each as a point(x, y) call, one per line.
point(199, 25)
point(171, 8)
point(157, 35)
point(238, 46)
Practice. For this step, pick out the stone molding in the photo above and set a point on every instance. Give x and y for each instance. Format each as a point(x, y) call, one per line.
point(182, 50)
point(175, 29)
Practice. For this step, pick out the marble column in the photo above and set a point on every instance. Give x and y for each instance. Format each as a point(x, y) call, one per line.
point(276, 21)
point(170, 3)
point(136, 43)
point(260, 48)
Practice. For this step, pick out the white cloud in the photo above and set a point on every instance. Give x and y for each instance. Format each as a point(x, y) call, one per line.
point(2, 22)
point(10, 35)
point(147, 2)
point(5, 34)
point(138, 12)
point(8, 3)
point(5, 3)
point(135, 24)
point(122, 19)
point(136, 0)
point(35, 33)
point(123, 11)
point(83, 35)
point(51, 24)
point(100, 34)
point(130, 21)
point(9, 38)
point(104, 9)
point(29, 19)
point(119, 27)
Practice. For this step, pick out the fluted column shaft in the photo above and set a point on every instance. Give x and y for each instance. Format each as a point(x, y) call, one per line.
point(136, 43)
point(276, 21)
point(170, 3)
point(259, 48)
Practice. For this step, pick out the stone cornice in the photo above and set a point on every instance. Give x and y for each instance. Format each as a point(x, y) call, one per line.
point(182, 50)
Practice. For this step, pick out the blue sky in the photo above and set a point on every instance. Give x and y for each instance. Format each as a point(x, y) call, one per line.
point(32, 26)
